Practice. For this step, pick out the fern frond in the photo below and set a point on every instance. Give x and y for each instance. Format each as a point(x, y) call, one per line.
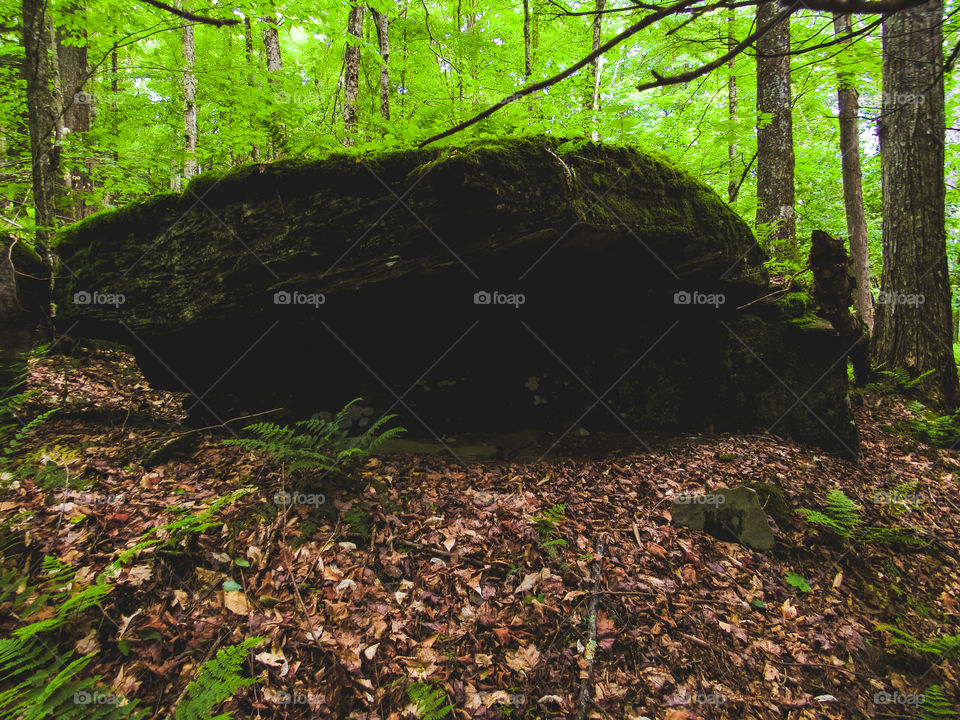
point(430, 700)
point(936, 705)
point(217, 680)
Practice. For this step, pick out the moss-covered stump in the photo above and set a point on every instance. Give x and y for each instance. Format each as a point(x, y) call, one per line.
point(489, 287)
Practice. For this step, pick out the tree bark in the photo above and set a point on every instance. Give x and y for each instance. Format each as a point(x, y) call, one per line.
point(596, 68)
point(913, 323)
point(42, 120)
point(252, 81)
point(732, 174)
point(527, 62)
point(75, 112)
point(382, 23)
point(190, 166)
point(271, 46)
point(775, 161)
point(351, 72)
point(849, 104)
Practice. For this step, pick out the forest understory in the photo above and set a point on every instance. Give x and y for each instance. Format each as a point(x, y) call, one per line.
point(426, 584)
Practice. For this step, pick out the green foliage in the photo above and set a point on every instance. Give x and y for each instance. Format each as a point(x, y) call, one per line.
point(942, 647)
point(41, 681)
point(840, 514)
point(903, 380)
point(217, 680)
point(430, 700)
point(15, 428)
point(316, 443)
point(932, 428)
point(548, 525)
point(359, 521)
point(936, 705)
point(796, 580)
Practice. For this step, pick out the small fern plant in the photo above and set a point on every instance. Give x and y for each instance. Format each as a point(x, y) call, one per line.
point(840, 515)
point(316, 444)
point(548, 526)
point(936, 705)
point(40, 680)
point(14, 428)
point(429, 700)
point(217, 680)
point(932, 428)
point(942, 647)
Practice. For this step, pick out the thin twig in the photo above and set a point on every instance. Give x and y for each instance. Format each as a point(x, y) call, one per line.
point(586, 687)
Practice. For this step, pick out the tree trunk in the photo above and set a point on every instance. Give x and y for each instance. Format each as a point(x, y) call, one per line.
point(351, 72)
point(271, 46)
point(527, 63)
point(913, 324)
point(732, 174)
point(382, 23)
point(248, 54)
point(42, 120)
point(596, 68)
point(77, 103)
point(775, 191)
point(849, 103)
point(190, 167)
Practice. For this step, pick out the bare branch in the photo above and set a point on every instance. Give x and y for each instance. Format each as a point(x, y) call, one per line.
point(190, 16)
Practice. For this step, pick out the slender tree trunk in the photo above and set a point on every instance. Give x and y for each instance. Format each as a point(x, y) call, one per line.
point(351, 72)
point(42, 120)
point(596, 68)
point(190, 167)
point(527, 61)
point(914, 323)
point(849, 103)
point(775, 161)
point(382, 23)
point(271, 46)
point(733, 176)
point(252, 81)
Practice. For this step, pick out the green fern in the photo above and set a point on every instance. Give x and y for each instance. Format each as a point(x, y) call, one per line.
point(12, 434)
point(430, 700)
point(316, 443)
point(40, 681)
point(217, 680)
point(936, 705)
point(840, 514)
point(942, 646)
point(932, 428)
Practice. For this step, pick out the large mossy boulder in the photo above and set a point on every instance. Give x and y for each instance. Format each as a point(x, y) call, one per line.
point(504, 285)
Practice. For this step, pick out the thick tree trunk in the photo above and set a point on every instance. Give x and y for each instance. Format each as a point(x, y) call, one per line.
point(42, 119)
point(382, 23)
point(190, 167)
point(913, 324)
point(849, 104)
point(351, 73)
point(732, 174)
point(596, 68)
point(775, 190)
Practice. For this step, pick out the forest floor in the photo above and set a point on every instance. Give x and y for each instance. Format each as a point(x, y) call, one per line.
point(480, 583)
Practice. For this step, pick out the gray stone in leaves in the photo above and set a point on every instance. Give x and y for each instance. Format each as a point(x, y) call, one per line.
point(726, 512)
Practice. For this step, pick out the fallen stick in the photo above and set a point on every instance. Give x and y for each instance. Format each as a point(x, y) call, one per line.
point(591, 651)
